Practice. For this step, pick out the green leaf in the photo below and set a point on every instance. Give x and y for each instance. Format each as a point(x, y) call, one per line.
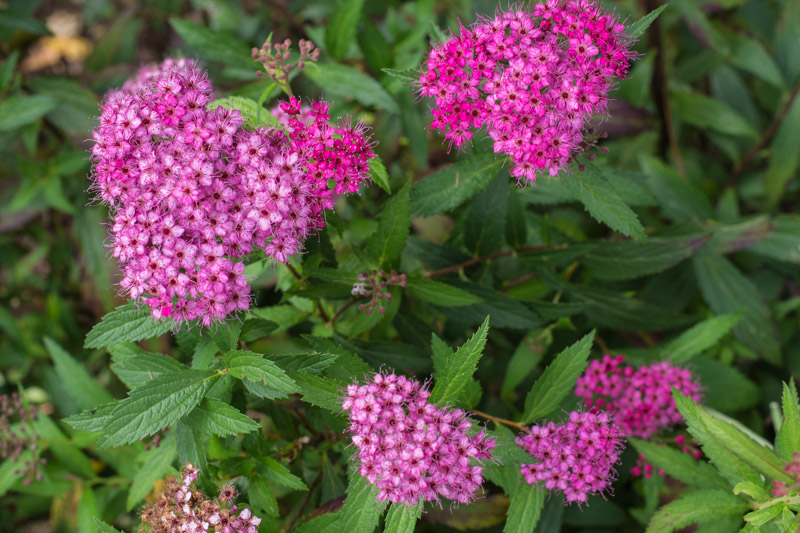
point(7, 70)
point(527, 502)
point(102, 527)
point(215, 417)
point(784, 157)
point(261, 497)
point(126, 323)
point(749, 55)
point(783, 242)
point(516, 227)
point(409, 75)
point(347, 82)
point(60, 446)
point(135, 367)
point(680, 465)
point(525, 358)
point(452, 186)
point(377, 171)
point(505, 311)
point(340, 31)
point(12, 20)
point(191, 445)
point(17, 111)
point(557, 380)
point(699, 338)
point(727, 290)
point(680, 199)
point(483, 228)
point(767, 514)
point(439, 293)
point(81, 387)
point(402, 518)
point(714, 431)
point(696, 507)
point(313, 363)
point(87, 509)
point(215, 45)
point(729, 465)
point(787, 442)
point(388, 242)
point(93, 420)
point(156, 465)
point(727, 389)
point(638, 28)
point(707, 113)
point(594, 192)
point(242, 364)
point(321, 391)
point(156, 405)
point(361, 511)
point(628, 259)
point(256, 328)
point(460, 367)
point(757, 492)
point(253, 115)
point(277, 473)
point(376, 49)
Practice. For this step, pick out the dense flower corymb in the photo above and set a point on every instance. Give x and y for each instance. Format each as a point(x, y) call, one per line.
point(640, 399)
point(532, 76)
point(410, 449)
point(193, 192)
point(576, 457)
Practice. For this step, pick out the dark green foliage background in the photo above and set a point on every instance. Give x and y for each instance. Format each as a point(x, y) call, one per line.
point(681, 243)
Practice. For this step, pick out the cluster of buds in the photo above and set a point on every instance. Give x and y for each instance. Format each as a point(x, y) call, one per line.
point(779, 488)
point(17, 436)
point(373, 285)
point(692, 448)
point(275, 58)
point(181, 507)
point(643, 468)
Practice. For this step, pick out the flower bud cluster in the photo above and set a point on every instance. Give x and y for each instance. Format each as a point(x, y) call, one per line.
point(781, 488)
point(639, 398)
point(411, 449)
point(576, 457)
point(532, 77)
point(181, 507)
point(275, 58)
point(193, 192)
point(373, 285)
point(18, 436)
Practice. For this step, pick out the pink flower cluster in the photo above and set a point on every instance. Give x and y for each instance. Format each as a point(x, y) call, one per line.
point(640, 399)
point(576, 457)
point(533, 79)
point(192, 192)
point(410, 449)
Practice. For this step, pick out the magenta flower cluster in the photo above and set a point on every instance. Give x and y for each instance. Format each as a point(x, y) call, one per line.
point(531, 77)
point(411, 449)
point(193, 192)
point(576, 457)
point(640, 399)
